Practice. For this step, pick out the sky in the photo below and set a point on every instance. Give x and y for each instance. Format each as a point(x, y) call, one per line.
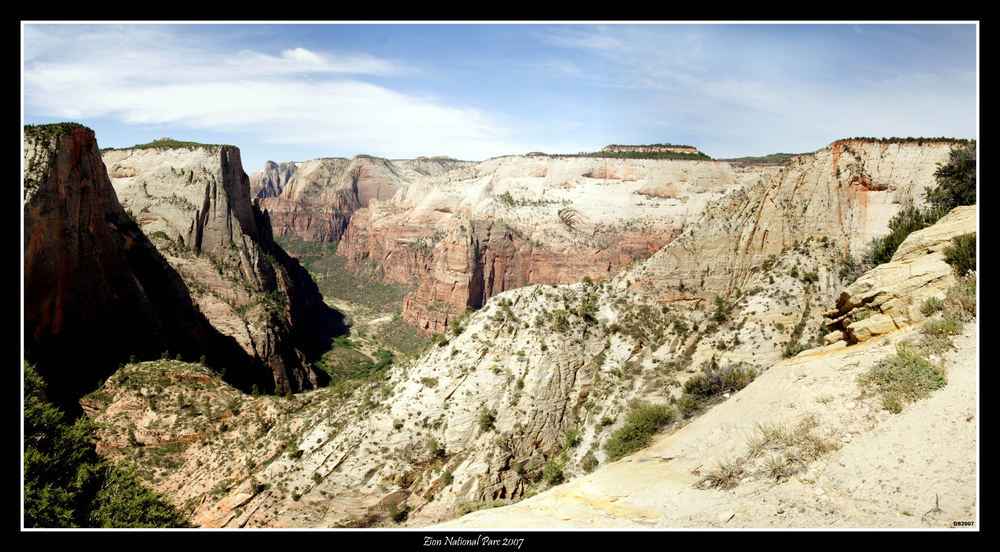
point(297, 92)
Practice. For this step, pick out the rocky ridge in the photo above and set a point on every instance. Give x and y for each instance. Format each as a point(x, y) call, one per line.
point(94, 282)
point(477, 231)
point(489, 411)
point(194, 203)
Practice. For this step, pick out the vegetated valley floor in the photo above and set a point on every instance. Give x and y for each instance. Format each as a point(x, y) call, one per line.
point(372, 309)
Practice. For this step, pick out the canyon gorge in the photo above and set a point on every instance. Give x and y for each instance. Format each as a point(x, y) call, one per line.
point(554, 298)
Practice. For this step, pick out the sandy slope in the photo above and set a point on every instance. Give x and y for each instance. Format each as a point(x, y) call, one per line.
point(886, 473)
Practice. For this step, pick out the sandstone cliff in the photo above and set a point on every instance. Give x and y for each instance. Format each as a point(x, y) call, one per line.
point(314, 200)
point(867, 467)
point(96, 290)
point(479, 230)
point(846, 193)
point(271, 180)
point(194, 203)
point(538, 378)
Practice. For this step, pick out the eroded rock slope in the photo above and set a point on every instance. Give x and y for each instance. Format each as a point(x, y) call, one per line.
point(194, 203)
point(95, 287)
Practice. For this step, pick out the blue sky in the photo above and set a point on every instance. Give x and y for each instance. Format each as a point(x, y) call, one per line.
point(296, 92)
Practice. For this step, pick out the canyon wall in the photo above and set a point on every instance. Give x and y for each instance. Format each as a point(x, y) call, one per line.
point(195, 205)
point(95, 287)
point(314, 200)
point(537, 380)
point(476, 231)
point(272, 179)
point(846, 193)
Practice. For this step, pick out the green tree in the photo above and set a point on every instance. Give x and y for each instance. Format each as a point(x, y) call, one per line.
point(961, 254)
point(66, 484)
point(956, 185)
point(956, 181)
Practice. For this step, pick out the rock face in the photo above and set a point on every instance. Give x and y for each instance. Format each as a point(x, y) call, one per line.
point(314, 200)
point(194, 203)
point(476, 231)
point(540, 376)
point(884, 470)
point(95, 287)
point(846, 192)
point(271, 180)
point(878, 470)
point(890, 296)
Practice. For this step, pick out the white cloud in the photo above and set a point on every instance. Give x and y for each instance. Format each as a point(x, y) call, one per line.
point(748, 98)
point(298, 96)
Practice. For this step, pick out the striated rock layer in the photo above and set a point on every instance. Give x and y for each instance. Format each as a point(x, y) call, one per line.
point(194, 203)
point(463, 237)
point(889, 296)
point(95, 287)
point(846, 193)
point(314, 200)
point(536, 381)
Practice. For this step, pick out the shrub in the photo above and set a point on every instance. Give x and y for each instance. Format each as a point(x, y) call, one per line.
point(931, 306)
point(793, 348)
point(956, 180)
point(722, 310)
point(487, 420)
point(943, 327)
point(436, 449)
point(960, 301)
point(726, 475)
point(688, 404)
point(572, 438)
point(552, 473)
point(66, 484)
point(961, 254)
point(398, 514)
point(908, 220)
point(714, 380)
point(902, 378)
point(642, 422)
point(589, 462)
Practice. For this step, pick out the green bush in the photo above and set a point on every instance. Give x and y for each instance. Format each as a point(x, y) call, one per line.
point(642, 422)
point(961, 254)
point(552, 473)
point(688, 405)
point(956, 180)
point(956, 186)
point(722, 310)
point(908, 220)
point(931, 306)
point(714, 380)
point(902, 378)
point(66, 484)
point(571, 438)
point(960, 300)
point(487, 420)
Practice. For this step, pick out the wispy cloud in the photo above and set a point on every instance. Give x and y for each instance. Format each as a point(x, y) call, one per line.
point(415, 90)
point(142, 75)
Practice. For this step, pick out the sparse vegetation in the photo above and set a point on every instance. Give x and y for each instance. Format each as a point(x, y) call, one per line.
point(931, 306)
point(961, 254)
point(956, 185)
point(487, 420)
point(67, 485)
point(902, 378)
point(168, 143)
point(643, 421)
